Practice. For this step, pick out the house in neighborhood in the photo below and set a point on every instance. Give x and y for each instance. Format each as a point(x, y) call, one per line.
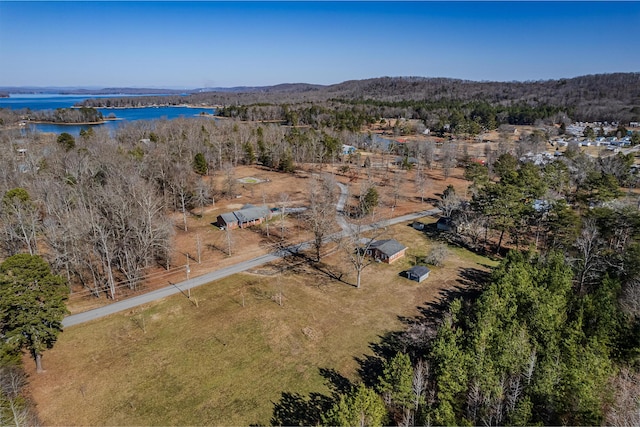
point(417, 273)
point(348, 149)
point(409, 160)
point(246, 217)
point(387, 250)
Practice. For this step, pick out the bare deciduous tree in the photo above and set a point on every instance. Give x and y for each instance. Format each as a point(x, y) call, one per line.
point(588, 245)
point(437, 254)
point(229, 239)
point(320, 217)
point(283, 202)
point(429, 153)
point(449, 202)
point(625, 411)
point(420, 384)
point(356, 244)
point(13, 407)
point(421, 182)
point(229, 180)
point(202, 194)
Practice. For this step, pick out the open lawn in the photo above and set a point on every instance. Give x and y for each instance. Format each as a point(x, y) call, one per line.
point(228, 358)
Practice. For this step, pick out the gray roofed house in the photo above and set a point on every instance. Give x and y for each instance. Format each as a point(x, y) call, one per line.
point(387, 250)
point(410, 160)
point(246, 217)
point(418, 273)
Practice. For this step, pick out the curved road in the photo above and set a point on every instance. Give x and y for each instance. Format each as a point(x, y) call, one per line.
point(76, 319)
point(342, 201)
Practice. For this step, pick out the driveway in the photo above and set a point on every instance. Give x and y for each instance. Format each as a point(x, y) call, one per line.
point(183, 287)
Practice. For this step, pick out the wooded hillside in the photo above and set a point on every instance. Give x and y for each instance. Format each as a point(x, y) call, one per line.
point(612, 97)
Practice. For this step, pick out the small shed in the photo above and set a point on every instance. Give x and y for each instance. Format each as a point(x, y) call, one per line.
point(444, 224)
point(418, 273)
point(418, 225)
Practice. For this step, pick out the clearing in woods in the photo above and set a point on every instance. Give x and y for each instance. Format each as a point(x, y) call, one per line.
point(226, 356)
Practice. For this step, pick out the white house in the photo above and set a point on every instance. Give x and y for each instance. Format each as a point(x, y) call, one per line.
point(348, 149)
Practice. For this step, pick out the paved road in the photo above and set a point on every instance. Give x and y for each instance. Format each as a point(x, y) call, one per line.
point(76, 319)
point(342, 200)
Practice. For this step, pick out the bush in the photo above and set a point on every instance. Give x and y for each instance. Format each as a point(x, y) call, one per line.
point(437, 255)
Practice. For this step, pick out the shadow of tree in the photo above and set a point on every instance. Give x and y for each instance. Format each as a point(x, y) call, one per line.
point(415, 340)
point(301, 263)
point(294, 409)
point(420, 331)
point(455, 239)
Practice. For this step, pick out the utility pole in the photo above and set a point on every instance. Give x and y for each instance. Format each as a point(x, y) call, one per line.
point(188, 270)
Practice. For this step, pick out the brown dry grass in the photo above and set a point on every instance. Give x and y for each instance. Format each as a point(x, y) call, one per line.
point(253, 242)
point(225, 361)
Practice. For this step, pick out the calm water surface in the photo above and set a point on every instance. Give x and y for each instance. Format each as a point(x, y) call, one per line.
point(51, 102)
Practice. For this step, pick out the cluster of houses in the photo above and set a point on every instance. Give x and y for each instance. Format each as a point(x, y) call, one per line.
point(384, 250)
point(611, 141)
point(577, 130)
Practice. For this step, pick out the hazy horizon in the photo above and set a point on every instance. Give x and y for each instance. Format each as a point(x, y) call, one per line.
point(178, 88)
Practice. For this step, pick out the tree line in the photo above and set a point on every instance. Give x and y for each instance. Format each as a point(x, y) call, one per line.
point(601, 97)
point(98, 206)
point(551, 336)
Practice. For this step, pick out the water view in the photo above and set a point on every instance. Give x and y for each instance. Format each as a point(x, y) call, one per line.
point(123, 115)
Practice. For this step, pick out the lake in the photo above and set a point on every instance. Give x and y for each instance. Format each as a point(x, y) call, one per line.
point(51, 102)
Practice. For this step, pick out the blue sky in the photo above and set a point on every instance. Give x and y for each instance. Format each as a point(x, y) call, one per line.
point(223, 44)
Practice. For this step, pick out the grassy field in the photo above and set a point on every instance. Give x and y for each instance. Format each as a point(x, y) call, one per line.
point(228, 359)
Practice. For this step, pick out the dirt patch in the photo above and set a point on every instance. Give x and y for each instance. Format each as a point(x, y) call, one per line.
point(205, 248)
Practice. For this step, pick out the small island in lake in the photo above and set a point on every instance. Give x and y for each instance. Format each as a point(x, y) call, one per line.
point(70, 116)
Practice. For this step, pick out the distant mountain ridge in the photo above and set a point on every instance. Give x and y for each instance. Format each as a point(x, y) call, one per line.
point(65, 90)
point(614, 96)
point(411, 86)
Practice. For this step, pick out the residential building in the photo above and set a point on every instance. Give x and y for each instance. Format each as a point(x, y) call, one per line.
point(418, 273)
point(388, 250)
point(246, 217)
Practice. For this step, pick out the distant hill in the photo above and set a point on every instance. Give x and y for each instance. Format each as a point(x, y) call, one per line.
point(280, 88)
point(614, 96)
point(53, 90)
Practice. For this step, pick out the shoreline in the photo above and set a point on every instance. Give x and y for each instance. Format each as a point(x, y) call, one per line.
point(44, 122)
point(154, 106)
